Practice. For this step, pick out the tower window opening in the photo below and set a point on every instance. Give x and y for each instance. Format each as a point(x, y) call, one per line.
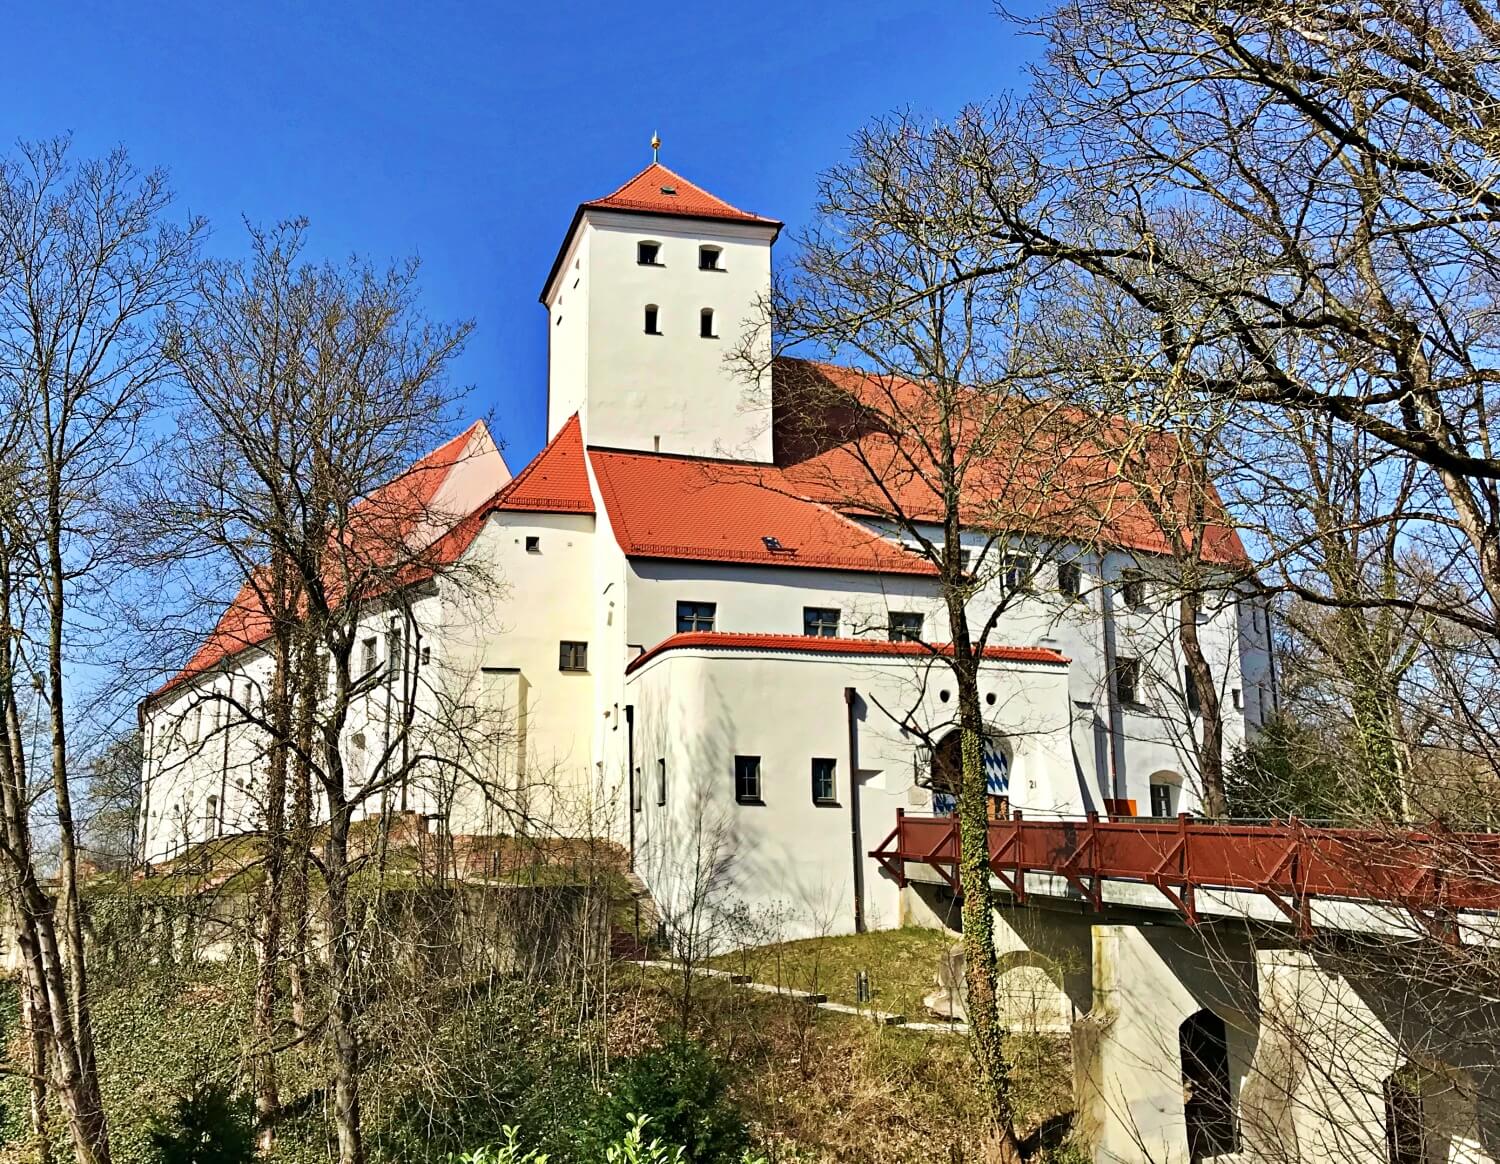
point(706, 323)
point(651, 324)
point(648, 254)
point(708, 258)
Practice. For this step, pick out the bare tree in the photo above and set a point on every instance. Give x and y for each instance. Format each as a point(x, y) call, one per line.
point(309, 390)
point(88, 262)
point(941, 440)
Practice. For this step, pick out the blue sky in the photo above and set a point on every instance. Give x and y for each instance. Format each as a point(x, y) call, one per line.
point(465, 133)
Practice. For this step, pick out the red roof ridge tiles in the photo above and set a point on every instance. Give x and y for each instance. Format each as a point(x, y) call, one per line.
point(816, 645)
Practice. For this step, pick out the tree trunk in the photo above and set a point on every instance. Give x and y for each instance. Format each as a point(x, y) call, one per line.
point(341, 984)
point(87, 1103)
point(986, 1034)
point(268, 966)
point(1210, 735)
point(308, 685)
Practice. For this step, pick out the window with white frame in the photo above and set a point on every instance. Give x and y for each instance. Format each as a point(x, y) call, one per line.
point(824, 780)
point(695, 616)
point(820, 622)
point(905, 626)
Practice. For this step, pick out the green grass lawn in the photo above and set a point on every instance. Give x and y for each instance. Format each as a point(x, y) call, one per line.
point(902, 965)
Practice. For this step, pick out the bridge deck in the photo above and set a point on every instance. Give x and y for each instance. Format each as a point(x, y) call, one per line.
point(1431, 875)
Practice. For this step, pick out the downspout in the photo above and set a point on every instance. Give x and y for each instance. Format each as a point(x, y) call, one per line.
point(630, 776)
point(856, 848)
point(1114, 713)
point(224, 766)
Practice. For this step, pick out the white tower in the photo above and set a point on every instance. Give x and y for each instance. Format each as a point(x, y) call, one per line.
point(654, 285)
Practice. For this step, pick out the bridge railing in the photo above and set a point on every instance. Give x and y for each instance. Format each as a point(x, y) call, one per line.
point(1431, 874)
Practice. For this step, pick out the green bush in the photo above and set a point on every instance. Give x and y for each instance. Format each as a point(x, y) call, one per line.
point(207, 1125)
point(682, 1091)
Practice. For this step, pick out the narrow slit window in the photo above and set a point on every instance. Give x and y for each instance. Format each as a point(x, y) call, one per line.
point(652, 327)
point(706, 323)
point(661, 783)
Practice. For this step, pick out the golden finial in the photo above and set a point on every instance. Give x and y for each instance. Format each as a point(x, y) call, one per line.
point(655, 147)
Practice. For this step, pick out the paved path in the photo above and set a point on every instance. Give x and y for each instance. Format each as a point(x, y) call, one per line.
point(879, 1017)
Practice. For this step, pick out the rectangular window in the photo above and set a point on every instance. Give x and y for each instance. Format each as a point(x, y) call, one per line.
point(661, 783)
point(1132, 589)
point(651, 324)
point(426, 655)
point(1190, 692)
point(1161, 800)
point(1239, 699)
point(905, 626)
point(820, 622)
point(533, 545)
point(1017, 574)
point(368, 659)
point(747, 779)
point(824, 781)
point(1069, 580)
point(572, 656)
point(1127, 679)
point(648, 254)
point(708, 259)
point(695, 616)
point(706, 323)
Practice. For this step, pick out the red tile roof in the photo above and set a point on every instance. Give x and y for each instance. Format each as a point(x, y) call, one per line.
point(394, 520)
point(556, 481)
point(647, 193)
point(724, 511)
point(657, 190)
point(1032, 467)
point(809, 645)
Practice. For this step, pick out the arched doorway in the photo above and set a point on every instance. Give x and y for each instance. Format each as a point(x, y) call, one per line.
point(946, 775)
point(1404, 1139)
point(1207, 1100)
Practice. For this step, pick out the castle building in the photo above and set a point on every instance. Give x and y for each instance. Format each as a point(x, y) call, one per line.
point(667, 631)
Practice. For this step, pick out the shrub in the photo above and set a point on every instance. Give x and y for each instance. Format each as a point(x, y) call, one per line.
point(207, 1125)
point(682, 1091)
point(506, 1152)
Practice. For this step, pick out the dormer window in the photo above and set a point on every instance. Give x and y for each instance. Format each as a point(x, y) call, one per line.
point(651, 327)
point(706, 323)
point(708, 258)
point(648, 254)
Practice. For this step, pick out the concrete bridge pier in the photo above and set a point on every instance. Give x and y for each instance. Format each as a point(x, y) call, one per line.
point(1158, 1058)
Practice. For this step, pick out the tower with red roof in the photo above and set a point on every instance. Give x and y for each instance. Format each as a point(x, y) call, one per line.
point(655, 288)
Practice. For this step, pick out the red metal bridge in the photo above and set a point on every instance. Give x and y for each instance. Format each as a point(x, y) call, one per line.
point(1429, 874)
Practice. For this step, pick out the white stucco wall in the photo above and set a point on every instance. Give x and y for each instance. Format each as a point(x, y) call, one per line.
point(672, 391)
point(788, 862)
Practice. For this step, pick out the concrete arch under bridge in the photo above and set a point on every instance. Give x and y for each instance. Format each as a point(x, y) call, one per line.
point(1331, 1051)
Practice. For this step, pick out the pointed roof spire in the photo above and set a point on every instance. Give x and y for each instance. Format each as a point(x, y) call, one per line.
point(655, 146)
point(658, 190)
